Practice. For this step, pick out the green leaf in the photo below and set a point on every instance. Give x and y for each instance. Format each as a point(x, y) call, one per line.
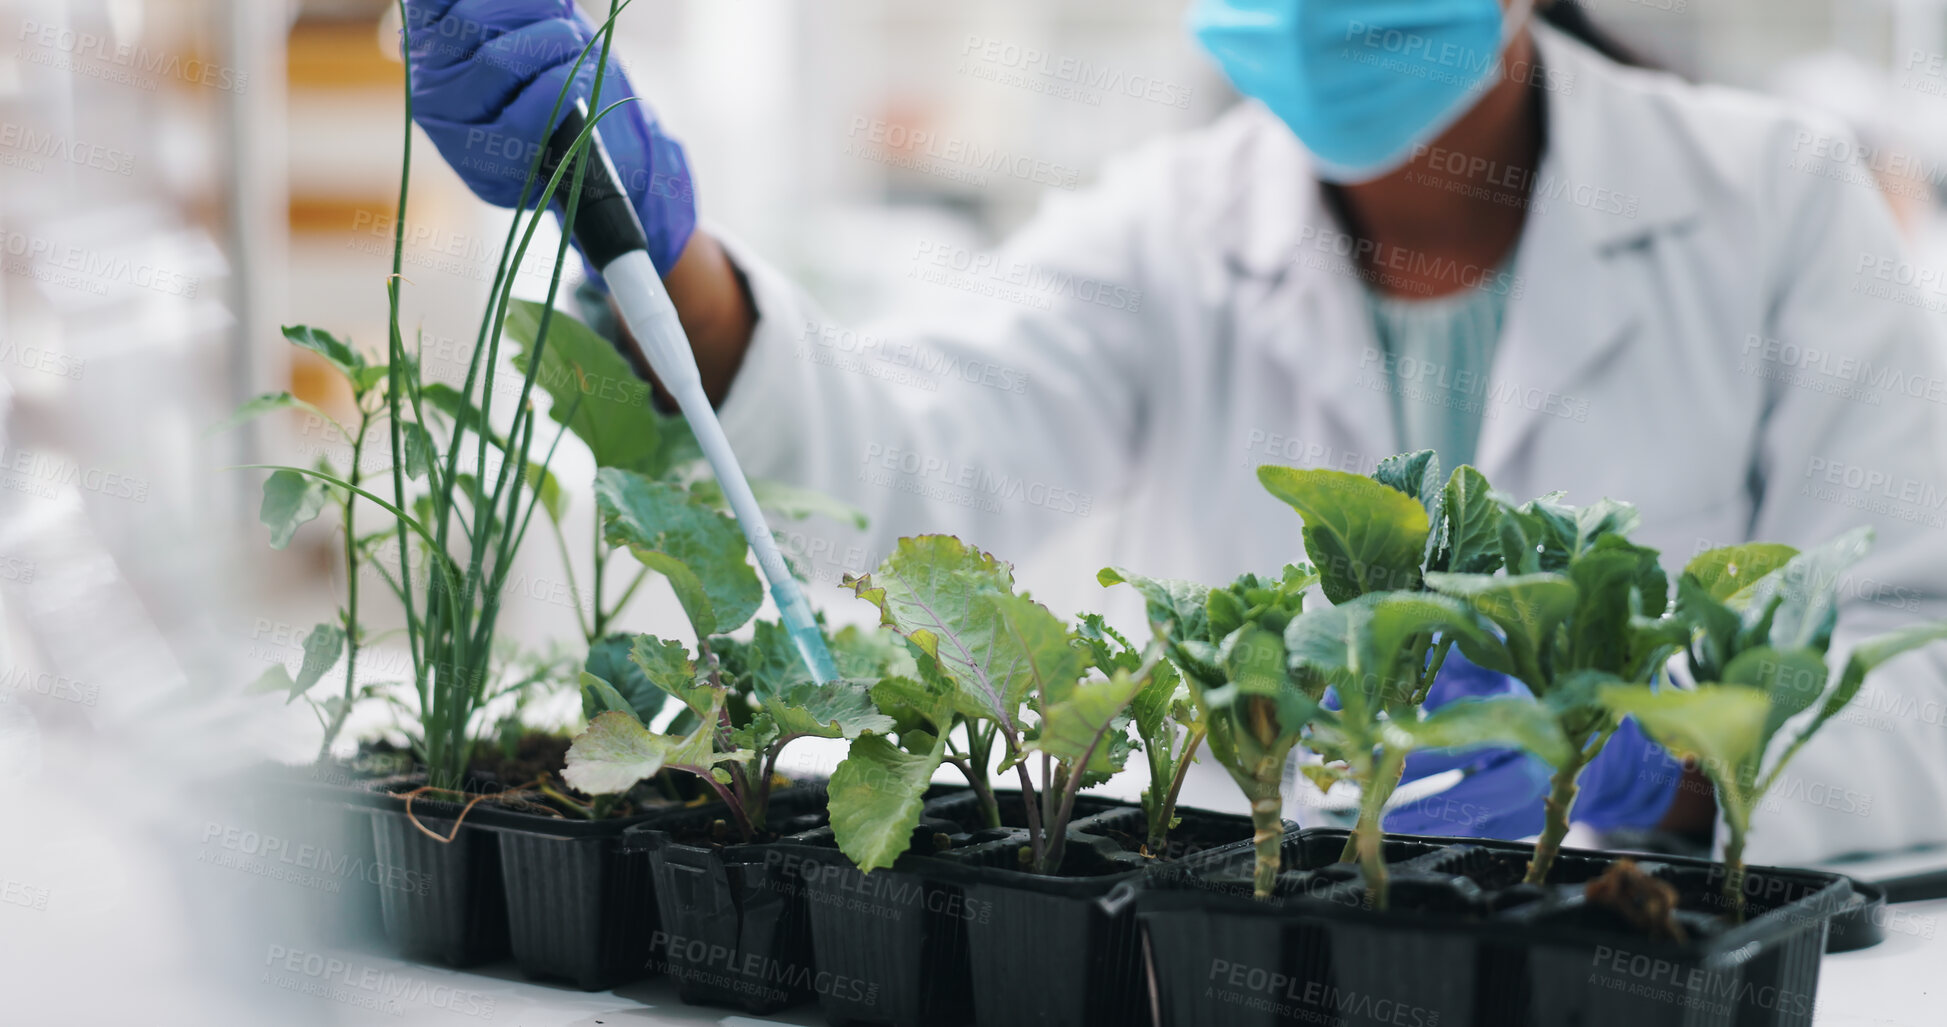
point(1501, 721)
point(610, 661)
point(617, 751)
point(599, 697)
point(1606, 518)
point(597, 395)
point(322, 647)
point(337, 352)
point(1865, 658)
point(916, 706)
point(877, 796)
point(939, 594)
point(1608, 577)
point(554, 499)
point(1074, 729)
point(268, 402)
point(1473, 532)
point(275, 680)
point(839, 709)
point(1361, 535)
point(1726, 571)
point(1791, 681)
point(701, 552)
point(1254, 660)
point(1362, 646)
point(1180, 606)
point(1528, 608)
point(667, 666)
point(1418, 475)
point(466, 417)
point(1047, 655)
point(787, 501)
point(1808, 587)
point(421, 452)
point(291, 500)
point(1723, 725)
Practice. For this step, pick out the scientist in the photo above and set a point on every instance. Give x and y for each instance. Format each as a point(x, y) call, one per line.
point(1437, 224)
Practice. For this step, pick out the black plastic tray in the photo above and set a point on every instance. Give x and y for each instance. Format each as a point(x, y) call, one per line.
point(964, 936)
point(1466, 945)
point(733, 927)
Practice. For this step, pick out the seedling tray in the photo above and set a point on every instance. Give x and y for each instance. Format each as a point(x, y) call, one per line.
point(1466, 945)
point(733, 927)
point(957, 935)
point(452, 908)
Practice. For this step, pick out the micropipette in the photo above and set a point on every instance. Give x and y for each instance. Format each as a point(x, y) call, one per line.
point(612, 238)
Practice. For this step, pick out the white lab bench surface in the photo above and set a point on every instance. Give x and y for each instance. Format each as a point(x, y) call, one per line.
point(1901, 982)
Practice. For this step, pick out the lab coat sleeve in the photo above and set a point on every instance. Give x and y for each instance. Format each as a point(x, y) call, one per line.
point(1852, 437)
point(1007, 411)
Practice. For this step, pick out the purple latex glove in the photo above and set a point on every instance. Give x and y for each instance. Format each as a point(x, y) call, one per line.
point(1630, 784)
point(485, 75)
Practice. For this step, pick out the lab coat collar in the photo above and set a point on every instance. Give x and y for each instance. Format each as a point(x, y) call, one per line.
point(1610, 182)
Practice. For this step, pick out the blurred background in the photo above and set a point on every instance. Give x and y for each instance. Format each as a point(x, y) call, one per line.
point(179, 178)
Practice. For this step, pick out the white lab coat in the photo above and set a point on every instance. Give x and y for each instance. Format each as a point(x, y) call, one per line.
point(1146, 343)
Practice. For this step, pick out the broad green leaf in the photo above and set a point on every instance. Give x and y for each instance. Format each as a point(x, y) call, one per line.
point(1159, 705)
point(667, 666)
point(915, 705)
point(275, 680)
point(870, 653)
point(553, 499)
point(876, 798)
point(1808, 585)
point(787, 501)
point(599, 697)
point(1075, 729)
point(266, 403)
point(1866, 657)
point(700, 551)
point(617, 751)
point(1576, 700)
point(1364, 643)
point(1473, 532)
point(1726, 571)
point(1723, 725)
point(1179, 605)
point(1607, 517)
point(1791, 681)
point(337, 352)
point(1047, 653)
point(1608, 577)
point(466, 417)
point(1361, 535)
point(322, 647)
point(610, 661)
point(1716, 625)
point(291, 500)
point(1254, 660)
point(596, 394)
point(1539, 535)
point(1501, 721)
point(939, 593)
point(1418, 475)
point(1528, 608)
point(839, 709)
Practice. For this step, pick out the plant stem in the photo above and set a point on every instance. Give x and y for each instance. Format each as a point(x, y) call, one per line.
point(1159, 830)
point(1734, 874)
point(1036, 839)
point(980, 756)
point(601, 618)
point(1561, 796)
point(1267, 836)
point(1371, 839)
point(1385, 792)
point(351, 593)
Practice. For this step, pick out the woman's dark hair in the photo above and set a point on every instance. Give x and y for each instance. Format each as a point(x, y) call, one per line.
point(1570, 17)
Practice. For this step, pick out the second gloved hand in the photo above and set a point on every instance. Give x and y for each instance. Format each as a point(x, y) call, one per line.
point(485, 76)
point(1629, 784)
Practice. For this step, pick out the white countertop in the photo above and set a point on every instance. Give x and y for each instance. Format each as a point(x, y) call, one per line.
point(1902, 982)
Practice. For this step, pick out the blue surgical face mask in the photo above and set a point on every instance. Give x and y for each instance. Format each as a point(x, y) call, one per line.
point(1362, 82)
